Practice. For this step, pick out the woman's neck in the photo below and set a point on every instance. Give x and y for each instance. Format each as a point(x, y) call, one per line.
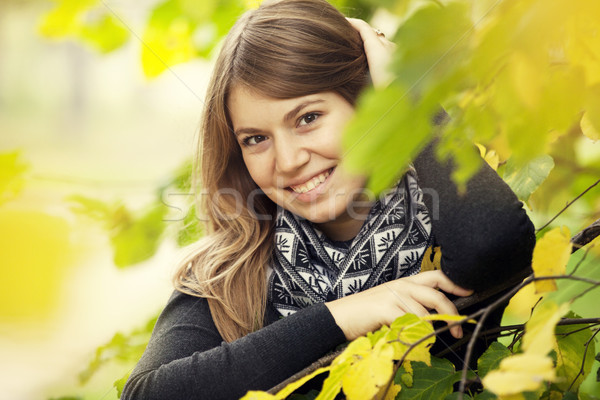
point(346, 226)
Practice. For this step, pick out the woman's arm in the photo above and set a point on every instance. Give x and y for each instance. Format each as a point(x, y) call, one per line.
point(485, 234)
point(187, 359)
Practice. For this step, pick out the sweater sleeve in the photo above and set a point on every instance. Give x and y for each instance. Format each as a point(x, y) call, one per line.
point(485, 234)
point(186, 357)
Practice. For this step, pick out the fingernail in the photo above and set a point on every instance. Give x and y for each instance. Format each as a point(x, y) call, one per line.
point(457, 332)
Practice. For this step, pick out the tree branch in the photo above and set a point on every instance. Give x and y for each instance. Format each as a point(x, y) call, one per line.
point(507, 289)
point(569, 205)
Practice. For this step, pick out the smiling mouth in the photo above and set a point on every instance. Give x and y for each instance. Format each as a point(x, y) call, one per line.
point(312, 183)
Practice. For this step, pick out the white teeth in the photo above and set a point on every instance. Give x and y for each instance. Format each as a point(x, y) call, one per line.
point(311, 184)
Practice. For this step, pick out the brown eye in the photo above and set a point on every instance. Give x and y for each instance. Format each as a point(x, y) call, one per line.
point(253, 140)
point(308, 119)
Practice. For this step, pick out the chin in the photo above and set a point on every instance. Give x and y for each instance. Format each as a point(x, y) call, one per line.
point(321, 216)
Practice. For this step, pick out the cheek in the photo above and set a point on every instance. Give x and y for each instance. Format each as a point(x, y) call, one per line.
point(258, 172)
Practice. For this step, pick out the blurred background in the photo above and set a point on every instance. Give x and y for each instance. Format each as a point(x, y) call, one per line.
point(75, 121)
point(99, 109)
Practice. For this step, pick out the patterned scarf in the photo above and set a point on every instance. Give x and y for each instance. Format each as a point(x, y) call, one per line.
point(310, 268)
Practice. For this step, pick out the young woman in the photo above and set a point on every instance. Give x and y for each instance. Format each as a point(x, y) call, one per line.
point(296, 262)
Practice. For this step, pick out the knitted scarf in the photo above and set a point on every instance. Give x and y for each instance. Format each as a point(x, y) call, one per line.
point(310, 268)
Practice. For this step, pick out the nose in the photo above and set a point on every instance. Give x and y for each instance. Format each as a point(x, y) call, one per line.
point(290, 153)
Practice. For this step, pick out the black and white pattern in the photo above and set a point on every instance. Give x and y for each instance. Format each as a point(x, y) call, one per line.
point(310, 268)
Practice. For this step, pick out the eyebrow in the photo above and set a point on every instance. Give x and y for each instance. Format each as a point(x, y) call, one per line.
point(290, 115)
point(296, 110)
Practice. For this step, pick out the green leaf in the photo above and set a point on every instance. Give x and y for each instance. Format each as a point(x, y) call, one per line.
point(431, 382)
point(485, 395)
point(67, 398)
point(525, 179)
point(432, 43)
point(138, 240)
point(403, 377)
point(192, 229)
point(12, 169)
point(586, 306)
point(127, 348)
point(456, 396)
point(570, 353)
point(587, 396)
point(119, 384)
point(384, 135)
point(491, 358)
point(64, 19)
point(569, 396)
point(105, 33)
point(89, 21)
point(167, 38)
point(95, 209)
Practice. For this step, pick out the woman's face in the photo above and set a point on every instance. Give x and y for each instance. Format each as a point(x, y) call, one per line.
point(292, 149)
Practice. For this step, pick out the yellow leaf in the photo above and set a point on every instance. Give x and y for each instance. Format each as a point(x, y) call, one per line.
point(526, 79)
point(256, 395)
point(289, 389)
point(37, 252)
point(521, 303)
point(550, 257)
point(392, 392)
point(407, 367)
point(519, 373)
point(490, 157)
point(11, 175)
point(407, 330)
point(588, 128)
point(446, 317)
point(432, 259)
point(333, 383)
point(252, 4)
point(368, 374)
point(358, 347)
point(555, 395)
point(539, 330)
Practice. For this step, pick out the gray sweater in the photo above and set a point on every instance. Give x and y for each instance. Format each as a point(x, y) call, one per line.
point(485, 236)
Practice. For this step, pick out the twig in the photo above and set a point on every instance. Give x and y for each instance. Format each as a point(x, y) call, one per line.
point(485, 312)
point(587, 345)
point(517, 337)
point(321, 362)
point(588, 234)
point(517, 330)
point(517, 283)
point(563, 321)
point(569, 205)
point(564, 335)
point(581, 261)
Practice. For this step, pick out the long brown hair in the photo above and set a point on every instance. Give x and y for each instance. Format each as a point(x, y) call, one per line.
point(283, 49)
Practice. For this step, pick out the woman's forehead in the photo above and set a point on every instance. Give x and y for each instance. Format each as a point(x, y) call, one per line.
point(246, 105)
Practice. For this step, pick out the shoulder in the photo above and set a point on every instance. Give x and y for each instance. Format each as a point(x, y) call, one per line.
point(185, 311)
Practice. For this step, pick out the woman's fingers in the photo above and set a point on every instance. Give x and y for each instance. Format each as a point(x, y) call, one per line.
point(437, 301)
point(425, 294)
point(438, 280)
point(366, 31)
point(367, 311)
point(378, 51)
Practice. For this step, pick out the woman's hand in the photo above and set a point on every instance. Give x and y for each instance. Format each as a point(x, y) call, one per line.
point(379, 52)
point(367, 311)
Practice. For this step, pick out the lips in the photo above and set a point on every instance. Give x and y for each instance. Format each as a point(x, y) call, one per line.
point(311, 183)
